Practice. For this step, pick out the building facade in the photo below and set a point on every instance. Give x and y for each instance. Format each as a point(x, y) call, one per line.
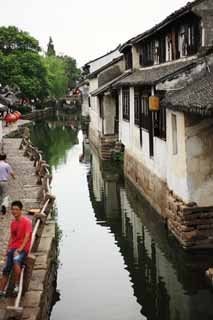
point(155, 96)
point(168, 151)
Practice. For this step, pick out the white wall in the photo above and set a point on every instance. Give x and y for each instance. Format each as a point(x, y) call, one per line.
point(199, 160)
point(97, 64)
point(176, 163)
point(129, 134)
point(109, 114)
point(96, 121)
point(85, 102)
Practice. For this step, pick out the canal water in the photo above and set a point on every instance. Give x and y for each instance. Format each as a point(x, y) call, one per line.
point(116, 260)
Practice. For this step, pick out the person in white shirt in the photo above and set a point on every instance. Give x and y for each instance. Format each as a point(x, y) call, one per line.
point(5, 173)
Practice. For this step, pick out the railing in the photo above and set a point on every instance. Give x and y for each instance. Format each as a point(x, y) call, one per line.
point(47, 200)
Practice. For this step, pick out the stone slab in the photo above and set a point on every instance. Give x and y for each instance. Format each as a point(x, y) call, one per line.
point(32, 299)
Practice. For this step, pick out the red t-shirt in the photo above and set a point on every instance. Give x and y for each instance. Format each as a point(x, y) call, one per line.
point(18, 230)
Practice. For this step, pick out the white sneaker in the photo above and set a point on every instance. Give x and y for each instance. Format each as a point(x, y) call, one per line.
point(16, 290)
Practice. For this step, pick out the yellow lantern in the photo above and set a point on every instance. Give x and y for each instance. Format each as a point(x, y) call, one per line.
point(154, 103)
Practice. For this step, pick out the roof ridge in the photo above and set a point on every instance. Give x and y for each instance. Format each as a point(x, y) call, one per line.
point(138, 37)
point(104, 55)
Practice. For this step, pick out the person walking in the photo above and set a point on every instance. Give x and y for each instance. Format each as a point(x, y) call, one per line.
point(18, 246)
point(5, 173)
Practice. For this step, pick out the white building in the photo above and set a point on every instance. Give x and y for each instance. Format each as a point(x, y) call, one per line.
point(90, 68)
point(168, 153)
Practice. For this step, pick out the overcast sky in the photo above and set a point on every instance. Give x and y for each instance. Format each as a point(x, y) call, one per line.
point(86, 29)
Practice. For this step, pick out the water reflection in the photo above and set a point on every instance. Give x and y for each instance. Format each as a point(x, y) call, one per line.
point(55, 137)
point(117, 260)
point(168, 283)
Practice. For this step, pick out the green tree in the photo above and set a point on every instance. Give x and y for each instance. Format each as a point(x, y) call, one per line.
point(57, 78)
point(12, 39)
point(21, 64)
point(50, 48)
point(27, 71)
point(71, 70)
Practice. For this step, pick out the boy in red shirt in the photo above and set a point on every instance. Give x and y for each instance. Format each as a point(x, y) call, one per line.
point(18, 246)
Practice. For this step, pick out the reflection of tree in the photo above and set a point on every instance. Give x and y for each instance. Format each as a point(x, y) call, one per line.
point(55, 141)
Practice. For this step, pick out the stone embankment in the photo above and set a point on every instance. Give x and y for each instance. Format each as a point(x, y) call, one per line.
point(191, 225)
point(32, 187)
point(38, 114)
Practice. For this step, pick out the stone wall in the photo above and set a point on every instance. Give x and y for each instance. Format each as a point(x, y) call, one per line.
point(191, 225)
point(38, 299)
point(150, 185)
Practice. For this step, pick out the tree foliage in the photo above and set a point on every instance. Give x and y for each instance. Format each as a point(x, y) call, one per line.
point(21, 64)
point(57, 78)
point(25, 70)
point(12, 39)
point(35, 75)
point(71, 70)
point(50, 48)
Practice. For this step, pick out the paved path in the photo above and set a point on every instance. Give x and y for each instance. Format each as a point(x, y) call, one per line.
point(23, 188)
point(14, 126)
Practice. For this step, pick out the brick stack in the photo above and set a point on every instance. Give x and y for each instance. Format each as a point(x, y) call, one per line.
point(107, 145)
point(191, 225)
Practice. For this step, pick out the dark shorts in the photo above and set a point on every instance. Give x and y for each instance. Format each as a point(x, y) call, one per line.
point(11, 260)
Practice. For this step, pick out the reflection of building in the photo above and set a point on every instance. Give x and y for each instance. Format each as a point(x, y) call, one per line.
point(105, 187)
point(168, 283)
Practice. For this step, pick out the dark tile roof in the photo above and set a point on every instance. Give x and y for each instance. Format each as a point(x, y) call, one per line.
point(196, 97)
point(109, 84)
point(172, 17)
point(152, 75)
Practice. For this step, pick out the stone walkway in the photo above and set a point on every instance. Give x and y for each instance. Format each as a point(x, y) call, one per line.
point(23, 188)
point(14, 126)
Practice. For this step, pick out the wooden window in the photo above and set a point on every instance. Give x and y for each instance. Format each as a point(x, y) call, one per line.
point(101, 106)
point(159, 123)
point(137, 108)
point(89, 102)
point(128, 60)
point(193, 30)
point(126, 104)
point(145, 112)
point(162, 49)
point(147, 54)
point(174, 134)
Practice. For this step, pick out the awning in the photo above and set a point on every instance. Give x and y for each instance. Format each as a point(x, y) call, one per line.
point(152, 75)
point(107, 86)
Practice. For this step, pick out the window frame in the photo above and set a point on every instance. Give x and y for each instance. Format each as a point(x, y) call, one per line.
point(101, 106)
point(145, 119)
point(174, 134)
point(137, 107)
point(126, 104)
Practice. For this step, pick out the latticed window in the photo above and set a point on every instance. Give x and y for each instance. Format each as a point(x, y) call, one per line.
point(137, 107)
point(126, 104)
point(145, 112)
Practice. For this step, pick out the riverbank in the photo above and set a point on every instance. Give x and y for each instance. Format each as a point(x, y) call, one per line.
point(25, 187)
